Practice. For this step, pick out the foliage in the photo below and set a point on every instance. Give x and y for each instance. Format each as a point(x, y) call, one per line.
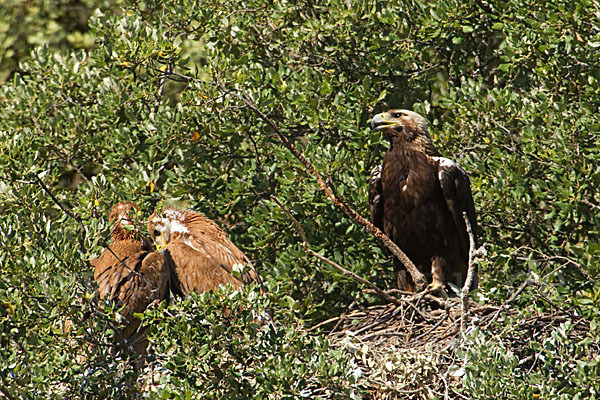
point(61, 24)
point(238, 354)
point(152, 112)
point(532, 371)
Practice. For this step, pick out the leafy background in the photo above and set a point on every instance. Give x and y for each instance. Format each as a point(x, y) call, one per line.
point(140, 100)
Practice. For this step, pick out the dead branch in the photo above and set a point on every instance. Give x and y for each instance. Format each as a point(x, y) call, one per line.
point(516, 294)
point(327, 321)
point(343, 270)
point(470, 273)
point(417, 276)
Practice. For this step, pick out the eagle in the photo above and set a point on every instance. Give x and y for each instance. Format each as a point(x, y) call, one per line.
point(129, 272)
point(200, 252)
point(417, 198)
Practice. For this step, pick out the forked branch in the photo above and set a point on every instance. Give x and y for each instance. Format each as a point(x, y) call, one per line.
point(416, 275)
point(343, 270)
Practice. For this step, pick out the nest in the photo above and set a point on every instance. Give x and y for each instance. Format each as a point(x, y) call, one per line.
point(416, 350)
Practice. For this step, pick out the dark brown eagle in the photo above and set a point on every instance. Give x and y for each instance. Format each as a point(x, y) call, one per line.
point(417, 197)
point(202, 255)
point(130, 273)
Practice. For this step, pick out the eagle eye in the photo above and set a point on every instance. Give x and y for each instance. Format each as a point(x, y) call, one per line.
point(156, 232)
point(397, 114)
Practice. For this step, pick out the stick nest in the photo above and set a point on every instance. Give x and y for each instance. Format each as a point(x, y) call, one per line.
point(417, 350)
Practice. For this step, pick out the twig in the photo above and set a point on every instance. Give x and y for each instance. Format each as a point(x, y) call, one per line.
point(5, 392)
point(548, 259)
point(248, 10)
point(71, 214)
point(511, 299)
point(578, 267)
point(425, 317)
point(343, 270)
point(352, 275)
point(470, 273)
point(379, 321)
point(434, 327)
point(417, 276)
point(320, 324)
point(400, 292)
point(393, 331)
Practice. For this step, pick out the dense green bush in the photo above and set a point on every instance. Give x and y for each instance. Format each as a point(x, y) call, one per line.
point(61, 24)
point(237, 355)
point(153, 112)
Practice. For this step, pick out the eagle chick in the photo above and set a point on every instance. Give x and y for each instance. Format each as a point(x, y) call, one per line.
point(128, 272)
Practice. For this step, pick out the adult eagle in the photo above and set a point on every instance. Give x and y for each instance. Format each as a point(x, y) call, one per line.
point(130, 273)
point(201, 254)
point(417, 197)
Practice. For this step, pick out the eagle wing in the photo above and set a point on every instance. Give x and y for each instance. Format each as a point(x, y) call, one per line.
point(134, 277)
point(216, 242)
point(114, 265)
point(227, 254)
point(376, 197)
point(457, 193)
point(200, 267)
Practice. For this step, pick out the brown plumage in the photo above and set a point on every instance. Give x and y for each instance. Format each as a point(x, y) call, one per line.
point(202, 255)
point(128, 272)
point(417, 197)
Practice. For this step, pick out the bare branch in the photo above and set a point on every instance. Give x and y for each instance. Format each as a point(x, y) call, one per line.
point(528, 282)
point(417, 276)
point(472, 271)
point(343, 270)
point(71, 214)
point(568, 261)
point(328, 321)
point(355, 277)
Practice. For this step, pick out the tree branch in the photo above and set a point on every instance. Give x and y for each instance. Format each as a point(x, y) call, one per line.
point(5, 392)
point(343, 270)
point(71, 214)
point(517, 293)
point(417, 276)
point(471, 272)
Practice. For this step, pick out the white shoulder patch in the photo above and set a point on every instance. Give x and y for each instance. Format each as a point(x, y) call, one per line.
point(446, 163)
point(174, 214)
point(177, 226)
point(375, 173)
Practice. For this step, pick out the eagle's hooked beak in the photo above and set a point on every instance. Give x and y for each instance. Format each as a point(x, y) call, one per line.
point(380, 122)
